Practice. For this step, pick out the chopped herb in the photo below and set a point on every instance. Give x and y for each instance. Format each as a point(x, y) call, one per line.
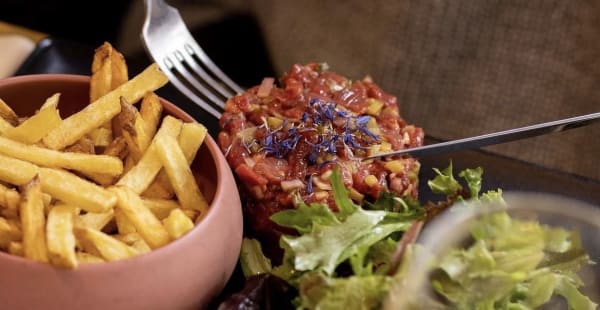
point(354, 134)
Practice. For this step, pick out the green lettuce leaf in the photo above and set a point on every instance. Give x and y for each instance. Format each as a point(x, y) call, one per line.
point(341, 196)
point(328, 239)
point(444, 182)
point(303, 217)
point(513, 264)
point(252, 259)
point(473, 179)
point(321, 292)
point(326, 246)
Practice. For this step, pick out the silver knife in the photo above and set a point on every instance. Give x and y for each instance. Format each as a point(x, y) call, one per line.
point(497, 137)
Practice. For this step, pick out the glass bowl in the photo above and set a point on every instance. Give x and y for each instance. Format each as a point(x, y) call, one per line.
point(524, 249)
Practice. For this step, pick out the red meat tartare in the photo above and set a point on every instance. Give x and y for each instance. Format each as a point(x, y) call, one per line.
point(283, 142)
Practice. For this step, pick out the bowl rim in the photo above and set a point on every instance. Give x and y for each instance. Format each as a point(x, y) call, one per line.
point(170, 108)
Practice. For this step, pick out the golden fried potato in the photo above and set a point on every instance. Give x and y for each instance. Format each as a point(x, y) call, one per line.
point(143, 173)
point(60, 238)
point(90, 163)
point(95, 220)
point(160, 207)
point(37, 126)
point(7, 114)
point(178, 224)
point(145, 223)
point(33, 222)
point(87, 258)
point(10, 231)
point(190, 139)
point(108, 247)
point(84, 189)
point(104, 109)
point(9, 198)
point(179, 173)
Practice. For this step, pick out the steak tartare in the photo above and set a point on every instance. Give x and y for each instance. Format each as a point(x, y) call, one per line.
point(284, 141)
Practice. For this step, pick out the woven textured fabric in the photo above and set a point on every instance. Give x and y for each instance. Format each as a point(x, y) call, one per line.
point(461, 68)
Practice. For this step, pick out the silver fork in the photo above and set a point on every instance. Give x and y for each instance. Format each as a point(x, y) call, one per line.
point(171, 45)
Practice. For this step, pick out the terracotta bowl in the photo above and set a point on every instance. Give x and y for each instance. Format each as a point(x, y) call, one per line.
point(185, 274)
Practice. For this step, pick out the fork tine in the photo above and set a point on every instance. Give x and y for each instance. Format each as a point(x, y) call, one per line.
point(210, 65)
point(171, 45)
point(191, 79)
point(166, 67)
point(188, 59)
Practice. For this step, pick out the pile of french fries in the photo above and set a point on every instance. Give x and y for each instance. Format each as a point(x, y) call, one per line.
point(109, 182)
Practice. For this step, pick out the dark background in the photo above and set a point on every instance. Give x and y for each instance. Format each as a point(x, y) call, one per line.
point(90, 23)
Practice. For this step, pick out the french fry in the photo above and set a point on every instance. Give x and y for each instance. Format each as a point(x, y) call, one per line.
point(131, 136)
point(142, 133)
point(141, 246)
point(56, 159)
point(109, 71)
point(124, 226)
point(108, 247)
point(159, 188)
point(135, 241)
point(60, 238)
point(143, 173)
point(130, 125)
point(128, 238)
point(146, 224)
point(119, 71)
point(151, 111)
point(84, 189)
point(33, 222)
point(101, 136)
point(191, 213)
point(102, 110)
point(74, 190)
point(87, 258)
point(9, 231)
point(84, 145)
point(15, 248)
point(51, 102)
point(8, 114)
point(5, 126)
point(179, 173)
point(190, 139)
point(126, 117)
point(9, 198)
point(75, 211)
point(177, 224)
point(95, 221)
point(17, 172)
point(101, 79)
point(37, 126)
point(9, 213)
point(160, 207)
point(117, 148)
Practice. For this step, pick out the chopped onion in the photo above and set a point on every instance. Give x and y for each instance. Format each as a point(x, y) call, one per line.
point(289, 185)
point(249, 161)
point(321, 185)
point(265, 87)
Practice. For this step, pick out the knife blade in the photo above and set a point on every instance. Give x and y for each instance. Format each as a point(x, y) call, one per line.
point(496, 137)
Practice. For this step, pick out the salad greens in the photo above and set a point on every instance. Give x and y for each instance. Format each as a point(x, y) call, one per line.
point(513, 264)
point(343, 259)
point(362, 238)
